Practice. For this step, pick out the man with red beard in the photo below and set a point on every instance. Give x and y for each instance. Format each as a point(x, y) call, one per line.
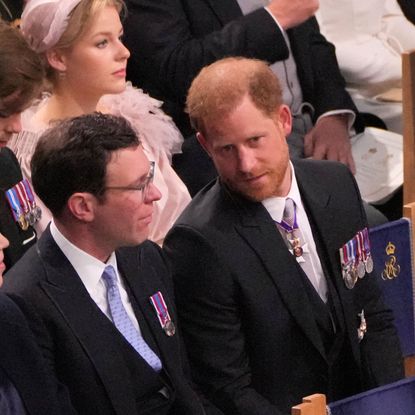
point(271, 262)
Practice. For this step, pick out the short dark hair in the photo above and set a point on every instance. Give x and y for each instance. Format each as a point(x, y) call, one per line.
point(72, 156)
point(21, 69)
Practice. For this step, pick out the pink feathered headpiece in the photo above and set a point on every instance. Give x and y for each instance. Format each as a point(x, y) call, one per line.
point(44, 22)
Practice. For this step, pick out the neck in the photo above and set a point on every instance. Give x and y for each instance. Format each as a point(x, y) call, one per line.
point(79, 234)
point(67, 102)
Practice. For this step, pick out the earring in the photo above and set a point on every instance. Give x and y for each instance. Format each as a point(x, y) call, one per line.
point(62, 75)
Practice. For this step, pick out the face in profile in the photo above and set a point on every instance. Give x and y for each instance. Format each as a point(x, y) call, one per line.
point(4, 243)
point(96, 63)
point(250, 151)
point(125, 213)
point(10, 110)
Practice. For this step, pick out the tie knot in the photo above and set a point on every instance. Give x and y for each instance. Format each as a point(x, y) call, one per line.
point(109, 276)
point(289, 211)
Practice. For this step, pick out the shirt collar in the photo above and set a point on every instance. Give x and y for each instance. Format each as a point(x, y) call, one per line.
point(275, 205)
point(88, 268)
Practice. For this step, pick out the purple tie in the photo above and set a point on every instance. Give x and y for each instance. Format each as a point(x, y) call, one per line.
point(297, 245)
point(123, 323)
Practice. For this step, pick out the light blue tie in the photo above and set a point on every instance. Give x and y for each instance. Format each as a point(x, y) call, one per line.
point(123, 323)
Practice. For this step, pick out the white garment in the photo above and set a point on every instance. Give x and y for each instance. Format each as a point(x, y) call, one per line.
point(369, 36)
point(160, 139)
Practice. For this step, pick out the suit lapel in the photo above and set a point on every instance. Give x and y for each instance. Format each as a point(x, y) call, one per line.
point(225, 10)
point(144, 282)
point(260, 232)
point(317, 202)
point(88, 323)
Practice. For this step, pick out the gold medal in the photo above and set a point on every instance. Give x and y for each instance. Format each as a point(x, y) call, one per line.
point(23, 223)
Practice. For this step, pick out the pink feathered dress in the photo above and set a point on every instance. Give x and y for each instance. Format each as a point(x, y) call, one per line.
point(160, 139)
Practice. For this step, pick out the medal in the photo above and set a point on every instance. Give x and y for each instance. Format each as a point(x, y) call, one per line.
point(24, 202)
point(369, 264)
point(24, 224)
point(368, 256)
point(349, 272)
point(290, 227)
point(361, 331)
point(297, 248)
point(35, 211)
point(348, 278)
point(163, 315)
point(361, 271)
point(360, 255)
point(16, 208)
point(169, 328)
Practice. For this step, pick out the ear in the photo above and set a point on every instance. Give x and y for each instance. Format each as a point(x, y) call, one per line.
point(82, 206)
point(56, 59)
point(203, 142)
point(284, 118)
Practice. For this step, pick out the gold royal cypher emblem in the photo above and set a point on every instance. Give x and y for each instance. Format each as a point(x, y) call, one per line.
point(392, 268)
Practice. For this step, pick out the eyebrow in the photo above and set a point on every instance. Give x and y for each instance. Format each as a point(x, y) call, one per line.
point(107, 33)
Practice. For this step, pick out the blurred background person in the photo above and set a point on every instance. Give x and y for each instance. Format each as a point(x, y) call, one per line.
point(21, 77)
point(369, 37)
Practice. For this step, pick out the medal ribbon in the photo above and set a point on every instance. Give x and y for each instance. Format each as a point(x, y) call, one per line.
point(161, 308)
point(22, 197)
point(29, 193)
point(14, 203)
point(366, 242)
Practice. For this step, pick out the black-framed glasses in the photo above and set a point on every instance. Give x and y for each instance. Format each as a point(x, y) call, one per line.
point(142, 187)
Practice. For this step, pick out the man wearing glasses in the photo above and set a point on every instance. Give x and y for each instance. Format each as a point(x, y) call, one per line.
point(96, 292)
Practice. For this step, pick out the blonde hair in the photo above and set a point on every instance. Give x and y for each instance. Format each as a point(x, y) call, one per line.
point(80, 16)
point(58, 24)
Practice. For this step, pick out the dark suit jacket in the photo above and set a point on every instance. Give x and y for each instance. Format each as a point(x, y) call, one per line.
point(408, 8)
point(172, 40)
point(20, 241)
point(248, 325)
point(22, 363)
point(103, 373)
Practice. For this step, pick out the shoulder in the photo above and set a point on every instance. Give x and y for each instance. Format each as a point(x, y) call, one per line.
point(157, 130)
point(322, 171)
point(7, 159)
point(147, 253)
point(207, 207)
point(9, 312)
point(25, 274)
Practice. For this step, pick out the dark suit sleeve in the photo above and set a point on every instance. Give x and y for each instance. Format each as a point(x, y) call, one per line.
point(212, 324)
point(45, 343)
point(321, 80)
point(408, 8)
point(170, 44)
point(380, 349)
point(20, 240)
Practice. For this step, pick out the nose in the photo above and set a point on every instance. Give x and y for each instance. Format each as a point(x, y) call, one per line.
point(4, 243)
point(13, 123)
point(153, 194)
point(123, 52)
point(246, 160)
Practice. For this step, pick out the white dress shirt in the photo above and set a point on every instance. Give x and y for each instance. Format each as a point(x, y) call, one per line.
point(89, 270)
point(275, 207)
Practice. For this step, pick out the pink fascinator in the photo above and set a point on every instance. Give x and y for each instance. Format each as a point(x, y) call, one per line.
point(44, 21)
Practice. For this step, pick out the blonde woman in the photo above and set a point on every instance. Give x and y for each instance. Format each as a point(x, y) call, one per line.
point(81, 42)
